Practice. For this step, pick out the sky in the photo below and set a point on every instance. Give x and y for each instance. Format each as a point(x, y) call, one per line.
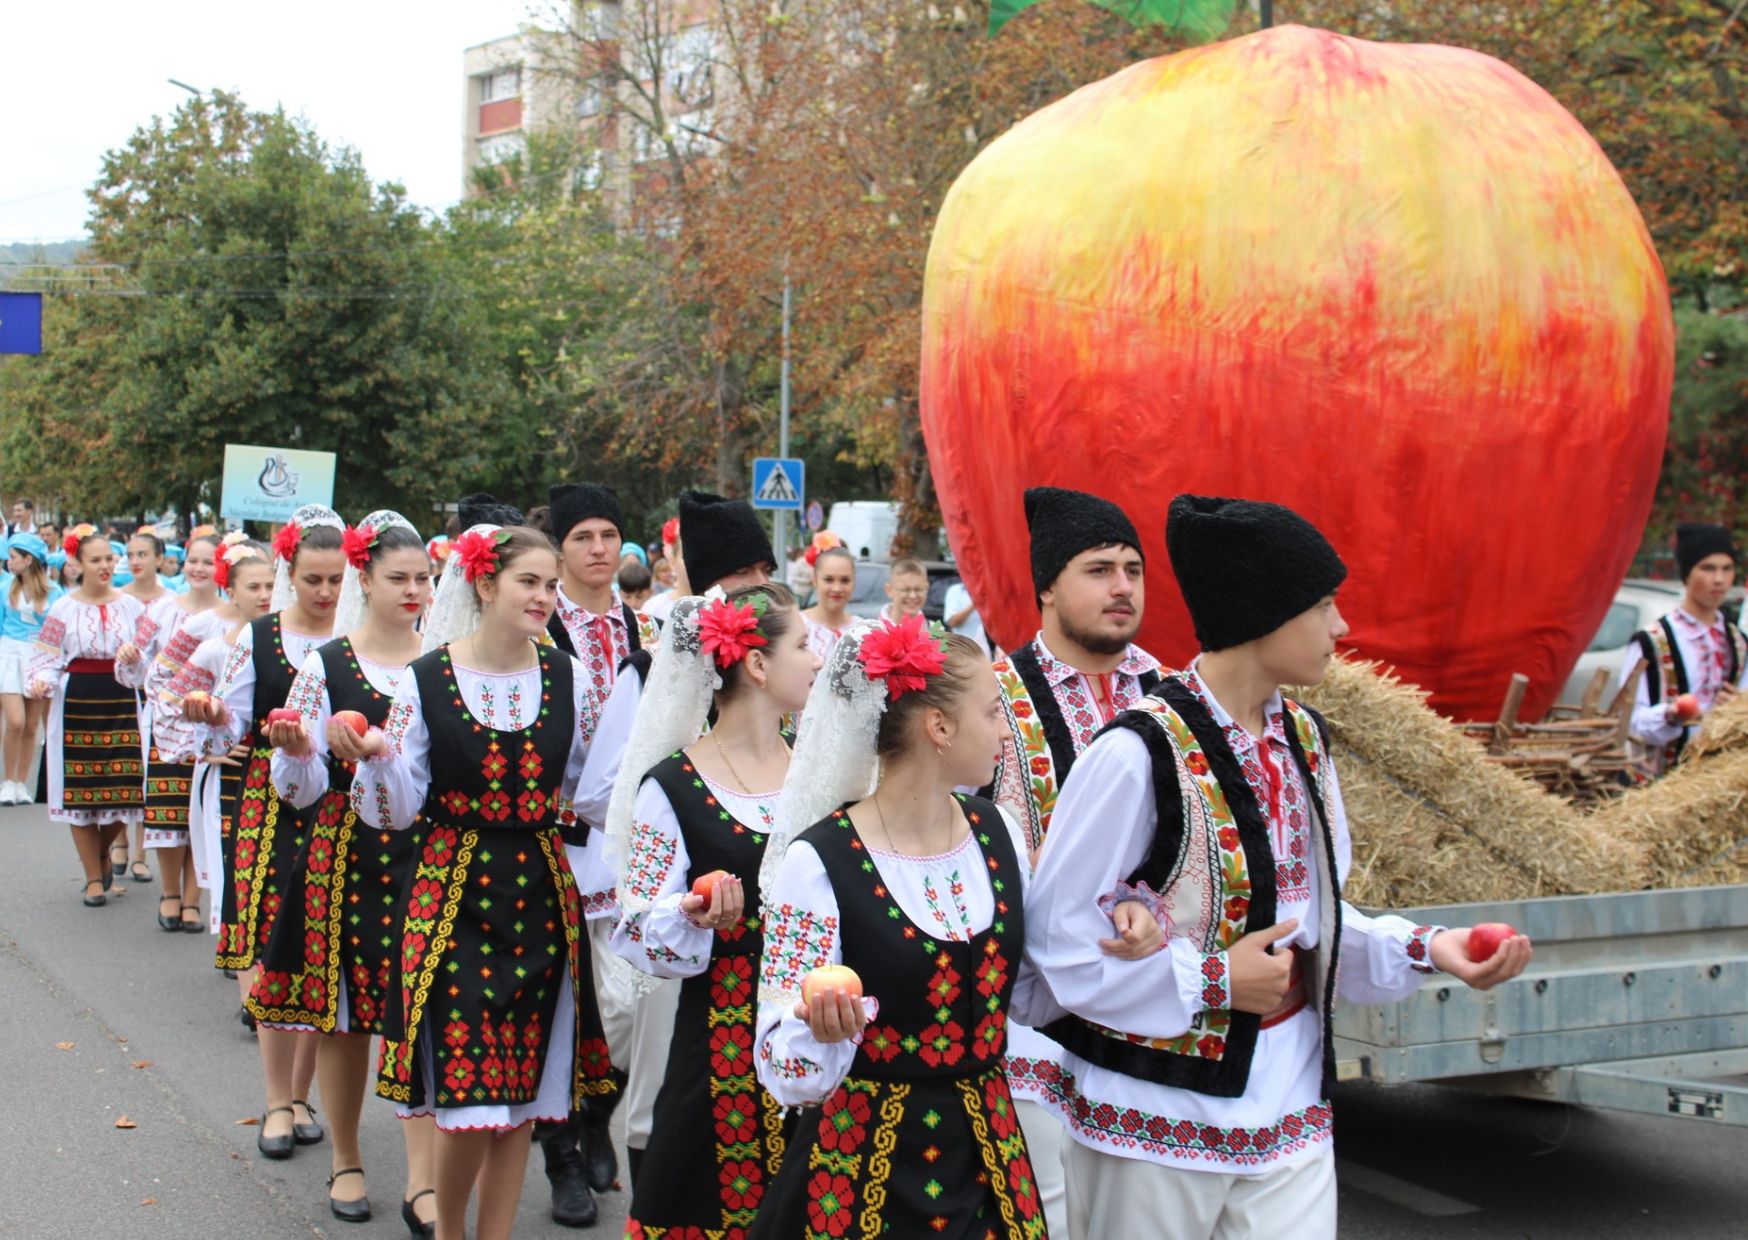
point(380, 76)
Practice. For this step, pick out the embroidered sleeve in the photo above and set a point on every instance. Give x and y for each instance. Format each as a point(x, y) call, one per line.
point(659, 938)
point(1383, 958)
point(47, 657)
point(304, 781)
point(389, 790)
point(801, 934)
point(236, 685)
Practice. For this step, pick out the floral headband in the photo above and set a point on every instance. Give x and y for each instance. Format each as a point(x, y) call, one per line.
point(904, 655)
point(78, 534)
point(823, 541)
point(233, 553)
point(357, 542)
point(727, 631)
point(479, 552)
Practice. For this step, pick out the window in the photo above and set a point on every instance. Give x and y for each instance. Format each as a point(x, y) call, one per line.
point(501, 84)
point(500, 148)
point(1617, 628)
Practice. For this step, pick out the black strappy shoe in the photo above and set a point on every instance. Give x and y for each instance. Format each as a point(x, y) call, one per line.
point(275, 1147)
point(173, 924)
point(198, 925)
point(310, 1133)
point(410, 1216)
point(349, 1211)
point(98, 900)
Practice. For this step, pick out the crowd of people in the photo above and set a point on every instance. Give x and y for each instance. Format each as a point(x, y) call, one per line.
point(521, 825)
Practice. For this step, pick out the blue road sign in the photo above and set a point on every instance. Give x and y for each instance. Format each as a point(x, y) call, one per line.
point(779, 482)
point(20, 322)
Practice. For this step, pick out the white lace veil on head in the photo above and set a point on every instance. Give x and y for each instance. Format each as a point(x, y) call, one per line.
point(349, 612)
point(834, 759)
point(304, 518)
point(455, 609)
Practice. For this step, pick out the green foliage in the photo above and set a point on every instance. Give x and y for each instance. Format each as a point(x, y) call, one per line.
point(1198, 21)
point(1705, 464)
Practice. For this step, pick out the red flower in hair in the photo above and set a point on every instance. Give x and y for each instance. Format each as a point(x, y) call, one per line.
point(904, 655)
point(670, 530)
point(811, 555)
point(357, 542)
point(70, 544)
point(729, 630)
point(221, 572)
point(285, 542)
point(479, 553)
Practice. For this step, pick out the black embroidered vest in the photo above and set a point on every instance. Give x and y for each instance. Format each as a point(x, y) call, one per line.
point(943, 1003)
point(561, 636)
point(1214, 1058)
point(349, 689)
point(716, 840)
point(273, 670)
point(484, 778)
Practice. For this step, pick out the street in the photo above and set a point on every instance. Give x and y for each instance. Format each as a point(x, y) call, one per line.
point(104, 1015)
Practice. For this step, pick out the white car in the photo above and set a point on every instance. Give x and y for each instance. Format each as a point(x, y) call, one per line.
point(1638, 604)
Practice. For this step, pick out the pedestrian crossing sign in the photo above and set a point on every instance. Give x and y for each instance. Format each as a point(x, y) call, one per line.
point(779, 482)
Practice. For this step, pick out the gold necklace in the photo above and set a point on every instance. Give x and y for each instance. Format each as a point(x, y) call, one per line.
point(886, 832)
point(744, 787)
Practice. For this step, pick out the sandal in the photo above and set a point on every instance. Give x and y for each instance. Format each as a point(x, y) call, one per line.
point(98, 900)
point(142, 873)
point(355, 1211)
point(195, 926)
point(168, 923)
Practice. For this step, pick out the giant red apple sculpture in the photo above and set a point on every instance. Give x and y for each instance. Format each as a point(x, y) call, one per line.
point(1398, 288)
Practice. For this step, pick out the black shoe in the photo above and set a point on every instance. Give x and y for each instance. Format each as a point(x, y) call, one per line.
point(597, 1141)
point(274, 1147)
point(173, 924)
point(634, 1157)
point(117, 868)
point(109, 879)
point(310, 1133)
point(349, 1211)
point(197, 926)
point(410, 1216)
point(142, 873)
point(573, 1205)
point(247, 1018)
point(98, 900)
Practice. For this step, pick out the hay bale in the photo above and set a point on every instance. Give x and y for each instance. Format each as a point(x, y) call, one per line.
point(1726, 728)
point(1693, 823)
point(1434, 821)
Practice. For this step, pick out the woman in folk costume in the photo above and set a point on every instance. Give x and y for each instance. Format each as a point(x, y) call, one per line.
point(26, 594)
point(94, 770)
point(880, 865)
point(162, 643)
point(485, 741)
point(267, 836)
point(329, 966)
point(834, 584)
point(243, 570)
point(144, 556)
point(691, 805)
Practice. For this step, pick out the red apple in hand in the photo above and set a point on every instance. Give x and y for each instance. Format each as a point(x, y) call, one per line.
point(1485, 939)
point(1687, 709)
point(704, 886)
point(352, 719)
point(284, 714)
point(196, 700)
point(831, 977)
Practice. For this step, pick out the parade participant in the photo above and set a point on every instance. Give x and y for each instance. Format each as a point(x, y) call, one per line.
point(175, 568)
point(634, 583)
point(834, 584)
point(144, 555)
point(668, 571)
point(878, 864)
point(243, 571)
point(162, 643)
point(485, 741)
point(730, 550)
point(267, 836)
point(907, 589)
point(23, 517)
point(65, 568)
point(1058, 690)
point(95, 780)
point(690, 804)
point(1195, 1084)
point(597, 629)
point(26, 594)
point(1694, 651)
point(330, 961)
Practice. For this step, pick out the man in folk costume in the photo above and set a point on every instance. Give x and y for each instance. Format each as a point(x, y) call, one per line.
point(1693, 651)
point(1059, 689)
point(723, 545)
point(1195, 1083)
point(600, 632)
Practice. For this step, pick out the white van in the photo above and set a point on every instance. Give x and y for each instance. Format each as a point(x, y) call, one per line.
point(867, 527)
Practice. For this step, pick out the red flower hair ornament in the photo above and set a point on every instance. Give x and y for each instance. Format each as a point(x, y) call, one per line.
point(726, 630)
point(231, 555)
point(823, 541)
point(479, 552)
point(904, 655)
point(357, 542)
point(286, 541)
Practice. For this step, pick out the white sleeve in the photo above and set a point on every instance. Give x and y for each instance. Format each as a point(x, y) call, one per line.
point(303, 781)
point(660, 939)
point(48, 654)
point(236, 686)
point(801, 934)
point(389, 791)
point(145, 640)
point(588, 713)
point(613, 725)
point(1650, 721)
point(1103, 825)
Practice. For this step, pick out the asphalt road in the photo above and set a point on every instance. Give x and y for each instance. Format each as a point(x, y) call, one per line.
point(1416, 1162)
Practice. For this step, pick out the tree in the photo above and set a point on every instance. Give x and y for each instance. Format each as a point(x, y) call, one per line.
point(269, 294)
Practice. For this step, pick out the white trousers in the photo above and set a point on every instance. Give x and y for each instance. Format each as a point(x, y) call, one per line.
point(1047, 1142)
point(652, 1029)
point(1110, 1196)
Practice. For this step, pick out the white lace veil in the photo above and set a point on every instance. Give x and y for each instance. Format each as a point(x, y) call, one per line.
point(455, 609)
point(305, 517)
point(834, 759)
point(349, 612)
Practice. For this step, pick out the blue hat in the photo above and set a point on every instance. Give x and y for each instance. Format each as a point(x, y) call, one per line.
point(57, 560)
point(120, 548)
point(174, 551)
point(637, 550)
point(31, 544)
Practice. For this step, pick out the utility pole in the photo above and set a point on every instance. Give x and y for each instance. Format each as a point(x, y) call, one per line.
point(780, 519)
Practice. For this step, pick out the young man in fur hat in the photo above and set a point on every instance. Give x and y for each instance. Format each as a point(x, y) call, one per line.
point(1195, 1083)
point(1692, 650)
point(722, 543)
point(1059, 689)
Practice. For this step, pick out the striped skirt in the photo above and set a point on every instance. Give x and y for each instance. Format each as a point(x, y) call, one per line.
point(97, 732)
point(168, 785)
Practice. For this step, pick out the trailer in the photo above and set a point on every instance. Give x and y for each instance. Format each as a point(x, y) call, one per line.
point(1633, 1001)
